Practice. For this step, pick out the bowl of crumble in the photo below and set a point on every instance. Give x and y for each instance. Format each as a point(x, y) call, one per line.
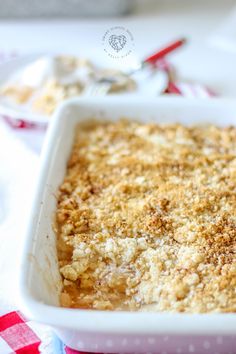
point(131, 242)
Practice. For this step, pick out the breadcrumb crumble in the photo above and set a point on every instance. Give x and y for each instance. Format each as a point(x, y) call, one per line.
point(146, 218)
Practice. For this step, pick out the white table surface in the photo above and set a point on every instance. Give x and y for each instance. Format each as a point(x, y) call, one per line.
point(153, 23)
point(151, 26)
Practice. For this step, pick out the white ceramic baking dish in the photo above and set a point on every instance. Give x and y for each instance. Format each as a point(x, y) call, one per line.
point(99, 331)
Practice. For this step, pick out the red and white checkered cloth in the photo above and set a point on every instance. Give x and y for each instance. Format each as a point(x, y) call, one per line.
point(182, 88)
point(16, 336)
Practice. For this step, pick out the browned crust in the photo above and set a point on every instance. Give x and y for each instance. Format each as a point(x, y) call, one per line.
point(147, 218)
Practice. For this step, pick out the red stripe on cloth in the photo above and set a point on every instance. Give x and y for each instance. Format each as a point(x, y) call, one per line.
point(72, 351)
point(21, 123)
point(172, 88)
point(20, 336)
point(22, 316)
point(30, 349)
point(9, 320)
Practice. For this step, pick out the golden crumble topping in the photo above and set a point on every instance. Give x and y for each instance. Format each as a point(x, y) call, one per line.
point(146, 218)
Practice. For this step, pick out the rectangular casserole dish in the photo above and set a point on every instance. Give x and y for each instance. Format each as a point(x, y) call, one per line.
point(40, 283)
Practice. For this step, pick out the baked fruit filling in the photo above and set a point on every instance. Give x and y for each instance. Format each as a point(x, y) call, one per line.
point(146, 218)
